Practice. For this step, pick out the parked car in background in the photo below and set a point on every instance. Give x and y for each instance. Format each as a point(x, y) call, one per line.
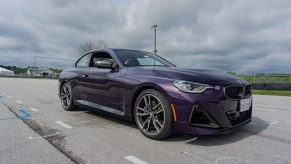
point(158, 96)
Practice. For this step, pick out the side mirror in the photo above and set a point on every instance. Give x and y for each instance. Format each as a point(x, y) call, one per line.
point(104, 64)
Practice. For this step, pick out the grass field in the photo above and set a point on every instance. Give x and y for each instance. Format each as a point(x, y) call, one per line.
point(272, 92)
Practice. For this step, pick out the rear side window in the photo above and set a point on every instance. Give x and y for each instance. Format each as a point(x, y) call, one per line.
point(84, 61)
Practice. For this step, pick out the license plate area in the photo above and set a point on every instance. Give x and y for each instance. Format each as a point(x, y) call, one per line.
point(245, 104)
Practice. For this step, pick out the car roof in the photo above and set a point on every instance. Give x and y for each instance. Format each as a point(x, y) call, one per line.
point(113, 49)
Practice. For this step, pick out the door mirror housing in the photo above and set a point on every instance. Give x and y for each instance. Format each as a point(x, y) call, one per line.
point(105, 64)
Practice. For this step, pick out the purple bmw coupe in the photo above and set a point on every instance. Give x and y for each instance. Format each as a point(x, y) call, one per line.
point(158, 96)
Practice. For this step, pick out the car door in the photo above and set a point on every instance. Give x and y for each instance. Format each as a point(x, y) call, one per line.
point(81, 66)
point(99, 86)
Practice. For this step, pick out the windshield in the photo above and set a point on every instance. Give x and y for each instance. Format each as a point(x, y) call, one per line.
point(133, 58)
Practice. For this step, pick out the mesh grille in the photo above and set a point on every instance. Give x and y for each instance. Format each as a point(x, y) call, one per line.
point(236, 92)
point(234, 119)
point(248, 90)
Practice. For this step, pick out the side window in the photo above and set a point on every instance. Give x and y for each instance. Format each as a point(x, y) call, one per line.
point(100, 56)
point(84, 61)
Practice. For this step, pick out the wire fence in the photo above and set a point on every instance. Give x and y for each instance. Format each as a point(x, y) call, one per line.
point(266, 78)
point(23, 75)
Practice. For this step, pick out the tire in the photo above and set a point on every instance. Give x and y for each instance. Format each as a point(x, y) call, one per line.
point(155, 119)
point(67, 99)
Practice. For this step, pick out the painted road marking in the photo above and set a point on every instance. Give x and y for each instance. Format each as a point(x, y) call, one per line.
point(25, 115)
point(135, 160)
point(273, 110)
point(33, 109)
point(18, 101)
point(196, 156)
point(3, 93)
point(274, 122)
point(228, 160)
point(9, 96)
point(63, 124)
point(46, 136)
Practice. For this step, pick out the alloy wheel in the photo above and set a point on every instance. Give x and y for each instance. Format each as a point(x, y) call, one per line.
point(150, 114)
point(65, 96)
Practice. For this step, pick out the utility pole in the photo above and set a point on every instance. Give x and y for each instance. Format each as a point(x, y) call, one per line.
point(155, 39)
point(34, 62)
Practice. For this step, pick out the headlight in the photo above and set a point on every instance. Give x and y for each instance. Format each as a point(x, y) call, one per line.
point(186, 86)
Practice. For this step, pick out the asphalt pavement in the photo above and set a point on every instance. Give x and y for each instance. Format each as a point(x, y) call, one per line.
point(35, 129)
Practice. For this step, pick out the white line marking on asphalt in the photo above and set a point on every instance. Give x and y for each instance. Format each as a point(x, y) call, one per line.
point(135, 160)
point(274, 122)
point(3, 93)
point(18, 101)
point(33, 109)
point(9, 96)
point(273, 110)
point(229, 160)
point(51, 135)
point(196, 156)
point(63, 124)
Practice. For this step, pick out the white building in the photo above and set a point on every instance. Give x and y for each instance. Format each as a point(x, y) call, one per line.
point(40, 72)
point(6, 72)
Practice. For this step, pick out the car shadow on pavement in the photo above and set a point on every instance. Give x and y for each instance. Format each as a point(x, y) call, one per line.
point(255, 127)
point(109, 117)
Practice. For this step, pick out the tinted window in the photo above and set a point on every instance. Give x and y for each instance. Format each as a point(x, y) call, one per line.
point(132, 58)
point(84, 61)
point(145, 60)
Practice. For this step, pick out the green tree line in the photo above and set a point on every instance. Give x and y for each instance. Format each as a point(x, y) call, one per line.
point(16, 70)
point(19, 70)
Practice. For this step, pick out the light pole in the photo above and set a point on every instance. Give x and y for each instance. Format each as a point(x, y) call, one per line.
point(155, 39)
point(34, 62)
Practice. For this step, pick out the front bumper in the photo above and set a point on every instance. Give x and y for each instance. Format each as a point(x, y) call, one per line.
point(208, 113)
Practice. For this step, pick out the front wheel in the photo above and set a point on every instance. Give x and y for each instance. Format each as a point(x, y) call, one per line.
point(153, 115)
point(67, 97)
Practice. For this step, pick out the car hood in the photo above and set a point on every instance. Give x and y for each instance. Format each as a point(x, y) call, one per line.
point(194, 75)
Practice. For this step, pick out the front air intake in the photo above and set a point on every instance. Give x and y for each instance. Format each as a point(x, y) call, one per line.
point(199, 117)
point(236, 118)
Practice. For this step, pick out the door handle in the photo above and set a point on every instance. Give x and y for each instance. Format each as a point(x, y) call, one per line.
point(85, 75)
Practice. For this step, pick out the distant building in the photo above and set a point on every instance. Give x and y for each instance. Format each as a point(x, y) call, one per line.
point(40, 72)
point(6, 72)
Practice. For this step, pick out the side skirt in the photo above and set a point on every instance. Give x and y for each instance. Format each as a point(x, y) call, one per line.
point(100, 107)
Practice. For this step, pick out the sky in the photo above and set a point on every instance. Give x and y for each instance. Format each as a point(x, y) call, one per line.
point(242, 36)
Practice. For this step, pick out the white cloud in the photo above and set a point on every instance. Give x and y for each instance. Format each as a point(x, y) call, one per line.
point(240, 36)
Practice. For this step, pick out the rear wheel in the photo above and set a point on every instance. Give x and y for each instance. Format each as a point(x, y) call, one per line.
point(153, 115)
point(67, 97)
